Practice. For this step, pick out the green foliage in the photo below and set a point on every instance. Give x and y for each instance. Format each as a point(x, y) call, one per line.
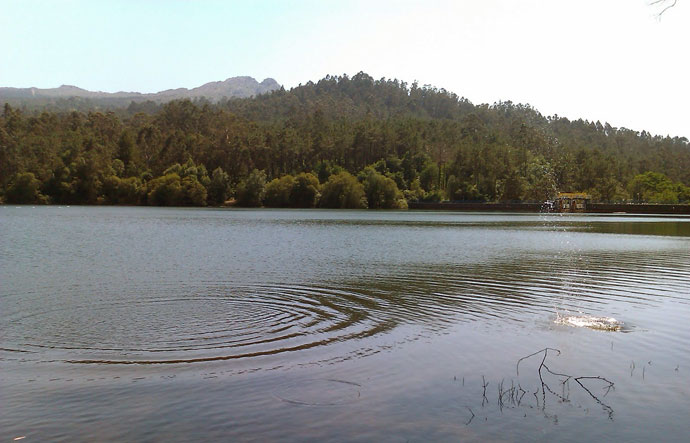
point(250, 192)
point(466, 190)
point(305, 191)
point(288, 191)
point(540, 181)
point(25, 189)
point(191, 170)
point(194, 193)
point(218, 187)
point(512, 188)
point(415, 193)
point(608, 189)
point(343, 191)
point(656, 187)
point(122, 191)
point(431, 143)
point(126, 151)
point(325, 169)
point(118, 167)
point(165, 190)
point(432, 196)
point(452, 187)
point(278, 192)
point(381, 191)
point(428, 177)
point(172, 190)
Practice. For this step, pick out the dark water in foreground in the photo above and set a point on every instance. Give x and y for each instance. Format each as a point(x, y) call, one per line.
point(188, 325)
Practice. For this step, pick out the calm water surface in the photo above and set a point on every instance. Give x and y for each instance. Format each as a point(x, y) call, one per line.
point(186, 325)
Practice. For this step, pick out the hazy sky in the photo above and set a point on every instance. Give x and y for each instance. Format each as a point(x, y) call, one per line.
point(608, 60)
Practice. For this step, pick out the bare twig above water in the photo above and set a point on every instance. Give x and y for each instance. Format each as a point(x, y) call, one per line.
point(668, 4)
point(544, 369)
point(545, 351)
point(471, 418)
point(519, 399)
point(606, 407)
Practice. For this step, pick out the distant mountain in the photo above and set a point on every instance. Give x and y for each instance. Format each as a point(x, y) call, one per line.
point(240, 87)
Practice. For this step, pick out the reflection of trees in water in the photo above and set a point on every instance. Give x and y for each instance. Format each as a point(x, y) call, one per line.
point(438, 295)
point(668, 228)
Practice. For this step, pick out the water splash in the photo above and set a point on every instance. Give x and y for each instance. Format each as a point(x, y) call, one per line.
point(589, 321)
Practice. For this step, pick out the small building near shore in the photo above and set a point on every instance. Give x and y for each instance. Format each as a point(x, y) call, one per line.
point(571, 202)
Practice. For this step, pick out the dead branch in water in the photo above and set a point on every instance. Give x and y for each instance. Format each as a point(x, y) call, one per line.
point(545, 351)
point(667, 4)
point(471, 418)
point(565, 378)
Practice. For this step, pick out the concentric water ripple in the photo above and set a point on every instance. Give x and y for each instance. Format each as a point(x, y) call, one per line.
point(222, 324)
point(217, 321)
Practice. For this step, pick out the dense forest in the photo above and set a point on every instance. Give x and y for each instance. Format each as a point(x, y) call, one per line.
point(343, 142)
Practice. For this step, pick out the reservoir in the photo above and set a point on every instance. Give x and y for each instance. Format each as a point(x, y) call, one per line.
point(168, 324)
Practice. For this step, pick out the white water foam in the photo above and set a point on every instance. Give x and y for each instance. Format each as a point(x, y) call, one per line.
point(589, 321)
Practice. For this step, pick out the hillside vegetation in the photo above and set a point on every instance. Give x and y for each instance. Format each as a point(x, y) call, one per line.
point(341, 142)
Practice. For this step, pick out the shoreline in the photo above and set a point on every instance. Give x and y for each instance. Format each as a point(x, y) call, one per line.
point(528, 208)
point(596, 208)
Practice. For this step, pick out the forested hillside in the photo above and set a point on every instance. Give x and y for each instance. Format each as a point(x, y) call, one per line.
point(341, 142)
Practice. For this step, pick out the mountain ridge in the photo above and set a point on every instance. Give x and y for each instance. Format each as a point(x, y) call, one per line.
point(232, 87)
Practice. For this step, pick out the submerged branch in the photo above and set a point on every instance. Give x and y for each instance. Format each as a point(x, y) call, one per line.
point(544, 369)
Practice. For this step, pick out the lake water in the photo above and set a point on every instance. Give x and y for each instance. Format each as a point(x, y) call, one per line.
point(155, 324)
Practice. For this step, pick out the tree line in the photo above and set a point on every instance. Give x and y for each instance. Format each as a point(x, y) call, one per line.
point(343, 141)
